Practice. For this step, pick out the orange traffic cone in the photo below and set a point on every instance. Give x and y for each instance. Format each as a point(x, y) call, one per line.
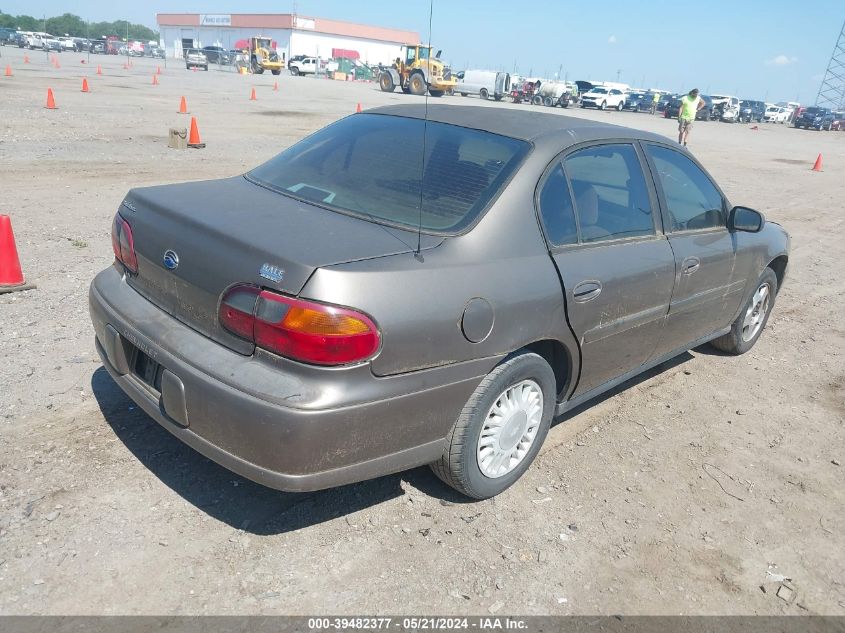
point(252, 96)
point(158, 70)
point(818, 164)
point(155, 80)
point(11, 276)
point(99, 70)
point(26, 59)
point(8, 70)
point(358, 109)
point(85, 85)
point(51, 102)
point(183, 106)
point(194, 138)
point(276, 86)
point(125, 66)
point(56, 64)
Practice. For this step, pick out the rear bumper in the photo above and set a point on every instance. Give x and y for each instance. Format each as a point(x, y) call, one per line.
point(283, 424)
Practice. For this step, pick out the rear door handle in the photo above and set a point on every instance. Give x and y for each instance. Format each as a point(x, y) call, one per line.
point(690, 265)
point(586, 291)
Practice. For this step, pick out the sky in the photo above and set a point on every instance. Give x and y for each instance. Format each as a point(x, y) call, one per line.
point(773, 50)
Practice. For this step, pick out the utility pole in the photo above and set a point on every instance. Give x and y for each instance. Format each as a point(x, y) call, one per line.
point(618, 74)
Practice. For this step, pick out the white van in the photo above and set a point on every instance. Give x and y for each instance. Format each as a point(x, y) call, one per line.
point(485, 84)
point(730, 107)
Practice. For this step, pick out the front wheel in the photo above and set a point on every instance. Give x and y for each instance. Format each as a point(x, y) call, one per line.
point(417, 84)
point(276, 71)
point(603, 105)
point(435, 93)
point(501, 429)
point(294, 71)
point(755, 313)
point(484, 94)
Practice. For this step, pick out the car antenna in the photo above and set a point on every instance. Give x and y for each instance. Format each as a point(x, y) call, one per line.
point(418, 254)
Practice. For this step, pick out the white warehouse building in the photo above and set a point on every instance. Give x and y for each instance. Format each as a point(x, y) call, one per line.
point(291, 35)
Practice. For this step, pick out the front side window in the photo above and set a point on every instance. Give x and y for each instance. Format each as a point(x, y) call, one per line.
point(556, 209)
point(693, 201)
point(396, 170)
point(611, 196)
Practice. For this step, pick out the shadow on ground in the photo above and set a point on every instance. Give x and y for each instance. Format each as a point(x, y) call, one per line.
point(254, 508)
point(232, 499)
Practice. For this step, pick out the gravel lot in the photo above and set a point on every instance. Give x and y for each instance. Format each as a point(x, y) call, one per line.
point(712, 484)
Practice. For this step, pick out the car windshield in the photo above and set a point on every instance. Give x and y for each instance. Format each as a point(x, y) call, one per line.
point(601, 91)
point(396, 170)
point(814, 111)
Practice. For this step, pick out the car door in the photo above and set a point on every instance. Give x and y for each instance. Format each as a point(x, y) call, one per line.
point(601, 222)
point(707, 288)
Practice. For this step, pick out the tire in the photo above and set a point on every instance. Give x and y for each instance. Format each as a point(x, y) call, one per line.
point(548, 102)
point(435, 93)
point(620, 106)
point(497, 97)
point(459, 465)
point(417, 84)
point(484, 94)
point(603, 105)
point(205, 68)
point(536, 100)
point(463, 94)
point(294, 71)
point(736, 342)
point(277, 71)
point(385, 82)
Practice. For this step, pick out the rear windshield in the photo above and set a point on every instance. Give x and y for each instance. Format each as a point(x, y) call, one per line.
point(396, 170)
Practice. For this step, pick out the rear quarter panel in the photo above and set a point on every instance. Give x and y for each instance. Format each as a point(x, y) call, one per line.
point(418, 301)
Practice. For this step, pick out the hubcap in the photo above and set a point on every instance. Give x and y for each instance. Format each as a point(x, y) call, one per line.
point(756, 313)
point(510, 429)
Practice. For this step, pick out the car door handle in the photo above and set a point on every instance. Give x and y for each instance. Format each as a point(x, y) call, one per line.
point(690, 265)
point(586, 291)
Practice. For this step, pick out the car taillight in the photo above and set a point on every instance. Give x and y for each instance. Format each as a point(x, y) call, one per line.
point(122, 243)
point(302, 330)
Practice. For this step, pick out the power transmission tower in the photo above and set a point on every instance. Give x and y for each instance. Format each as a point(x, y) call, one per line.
point(832, 91)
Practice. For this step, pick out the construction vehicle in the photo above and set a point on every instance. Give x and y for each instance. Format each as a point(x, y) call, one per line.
point(263, 57)
point(416, 72)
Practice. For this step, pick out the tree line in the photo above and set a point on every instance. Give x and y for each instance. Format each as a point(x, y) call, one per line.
point(74, 26)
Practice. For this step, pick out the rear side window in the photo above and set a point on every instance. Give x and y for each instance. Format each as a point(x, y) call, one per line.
point(611, 196)
point(692, 200)
point(397, 170)
point(556, 209)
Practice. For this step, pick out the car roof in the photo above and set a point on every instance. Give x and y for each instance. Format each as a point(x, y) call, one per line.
point(518, 123)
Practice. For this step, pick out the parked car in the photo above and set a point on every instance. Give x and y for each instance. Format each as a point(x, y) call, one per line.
point(6, 35)
point(815, 118)
point(360, 315)
point(484, 83)
point(751, 111)
point(217, 55)
point(603, 98)
point(50, 43)
point(633, 100)
point(838, 123)
point(304, 66)
point(728, 107)
point(155, 51)
point(195, 58)
point(776, 114)
point(665, 100)
point(17, 39)
point(97, 47)
point(296, 58)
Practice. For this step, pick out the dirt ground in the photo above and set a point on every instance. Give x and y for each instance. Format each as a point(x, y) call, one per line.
point(712, 484)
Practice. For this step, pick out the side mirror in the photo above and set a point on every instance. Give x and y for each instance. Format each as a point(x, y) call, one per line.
point(745, 219)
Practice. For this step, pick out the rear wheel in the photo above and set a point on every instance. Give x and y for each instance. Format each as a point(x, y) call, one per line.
point(548, 102)
point(501, 429)
point(620, 105)
point(435, 93)
point(276, 71)
point(603, 105)
point(750, 323)
point(385, 82)
point(417, 84)
point(484, 94)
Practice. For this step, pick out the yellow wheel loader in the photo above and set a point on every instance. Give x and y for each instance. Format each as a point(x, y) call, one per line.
point(262, 57)
point(416, 72)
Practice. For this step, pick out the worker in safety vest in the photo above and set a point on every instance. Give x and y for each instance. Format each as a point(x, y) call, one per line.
point(690, 105)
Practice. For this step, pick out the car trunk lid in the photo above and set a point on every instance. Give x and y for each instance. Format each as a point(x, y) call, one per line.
point(215, 234)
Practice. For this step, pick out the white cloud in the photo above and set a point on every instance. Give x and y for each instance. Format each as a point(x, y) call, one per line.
point(781, 60)
point(611, 39)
